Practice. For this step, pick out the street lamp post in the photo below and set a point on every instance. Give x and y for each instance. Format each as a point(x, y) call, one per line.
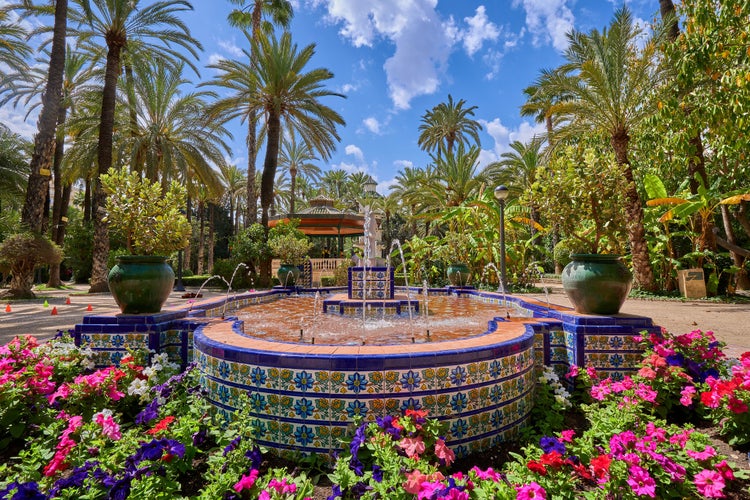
point(501, 193)
point(178, 286)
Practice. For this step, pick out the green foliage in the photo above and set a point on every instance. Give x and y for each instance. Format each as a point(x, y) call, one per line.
point(148, 217)
point(249, 245)
point(565, 247)
point(228, 268)
point(288, 243)
point(78, 246)
point(581, 192)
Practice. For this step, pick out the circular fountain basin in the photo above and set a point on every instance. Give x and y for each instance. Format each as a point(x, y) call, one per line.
point(303, 396)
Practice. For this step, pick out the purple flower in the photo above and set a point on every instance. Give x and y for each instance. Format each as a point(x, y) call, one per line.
point(386, 423)
point(149, 413)
point(232, 445)
point(199, 438)
point(677, 359)
point(121, 489)
point(75, 480)
point(358, 440)
point(357, 466)
point(24, 491)
point(550, 444)
point(255, 457)
point(336, 492)
point(377, 473)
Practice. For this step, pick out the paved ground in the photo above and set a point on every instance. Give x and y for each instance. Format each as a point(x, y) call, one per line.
point(730, 322)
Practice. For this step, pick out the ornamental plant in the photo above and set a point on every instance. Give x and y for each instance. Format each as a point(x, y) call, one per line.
point(147, 216)
point(728, 401)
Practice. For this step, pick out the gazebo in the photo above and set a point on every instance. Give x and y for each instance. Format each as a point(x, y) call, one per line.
point(322, 219)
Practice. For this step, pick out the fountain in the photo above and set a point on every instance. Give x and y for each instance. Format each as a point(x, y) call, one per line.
point(229, 286)
point(306, 389)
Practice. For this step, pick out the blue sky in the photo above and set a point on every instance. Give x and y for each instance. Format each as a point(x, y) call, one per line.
point(395, 59)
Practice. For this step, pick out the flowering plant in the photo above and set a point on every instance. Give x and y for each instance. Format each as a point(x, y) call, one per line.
point(729, 401)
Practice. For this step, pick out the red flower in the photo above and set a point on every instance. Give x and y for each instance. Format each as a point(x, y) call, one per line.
point(537, 467)
point(553, 459)
point(600, 465)
point(161, 425)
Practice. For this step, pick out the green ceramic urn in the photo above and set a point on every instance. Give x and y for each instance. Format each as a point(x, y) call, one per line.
point(141, 284)
point(596, 283)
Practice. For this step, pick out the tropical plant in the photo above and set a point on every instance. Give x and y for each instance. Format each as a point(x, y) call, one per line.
point(148, 217)
point(604, 85)
point(173, 139)
point(14, 50)
point(446, 125)
point(289, 248)
point(121, 24)
point(14, 163)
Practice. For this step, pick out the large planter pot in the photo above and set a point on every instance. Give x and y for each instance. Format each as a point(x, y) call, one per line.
point(596, 283)
point(458, 274)
point(141, 284)
point(288, 274)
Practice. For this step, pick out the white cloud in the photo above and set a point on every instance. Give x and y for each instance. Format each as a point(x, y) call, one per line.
point(215, 58)
point(503, 136)
point(548, 21)
point(354, 151)
point(480, 29)
point(231, 48)
point(14, 120)
point(423, 42)
point(403, 164)
point(372, 124)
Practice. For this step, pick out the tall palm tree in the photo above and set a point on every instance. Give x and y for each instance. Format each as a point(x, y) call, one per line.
point(296, 159)
point(45, 139)
point(250, 14)
point(455, 180)
point(172, 138)
point(284, 93)
point(14, 164)
point(606, 81)
point(234, 182)
point(447, 124)
point(334, 182)
point(117, 22)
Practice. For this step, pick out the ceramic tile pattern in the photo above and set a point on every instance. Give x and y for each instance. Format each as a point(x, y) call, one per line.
point(304, 397)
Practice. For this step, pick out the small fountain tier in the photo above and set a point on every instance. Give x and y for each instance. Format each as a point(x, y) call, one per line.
point(371, 292)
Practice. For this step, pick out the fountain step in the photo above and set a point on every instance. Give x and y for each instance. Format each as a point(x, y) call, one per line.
point(345, 306)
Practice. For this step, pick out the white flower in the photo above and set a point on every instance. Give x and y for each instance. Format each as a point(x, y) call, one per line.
point(138, 387)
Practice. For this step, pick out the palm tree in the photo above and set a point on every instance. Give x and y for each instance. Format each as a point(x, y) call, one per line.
point(334, 182)
point(296, 159)
point(118, 22)
point(250, 14)
point(455, 180)
point(172, 138)
point(45, 139)
point(13, 50)
point(285, 94)
point(234, 182)
point(606, 83)
point(517, 170)
point(14, 163)
point(447, 124)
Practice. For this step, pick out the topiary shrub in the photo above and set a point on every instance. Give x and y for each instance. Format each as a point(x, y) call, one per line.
point(21, 253)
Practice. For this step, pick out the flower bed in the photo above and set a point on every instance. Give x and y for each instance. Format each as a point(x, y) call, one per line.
point(143, 430)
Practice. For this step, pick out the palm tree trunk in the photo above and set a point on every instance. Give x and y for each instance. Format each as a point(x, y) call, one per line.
point(211, 237)
point(186, 261)
point(201, 237)
point(44, 142)
point(106, 129)
point(58, 230)
point(642, 270)
point(266, 183)
point(293, 186)
point(252, 153)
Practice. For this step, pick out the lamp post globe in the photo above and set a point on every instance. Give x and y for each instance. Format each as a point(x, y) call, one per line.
point(501, 194)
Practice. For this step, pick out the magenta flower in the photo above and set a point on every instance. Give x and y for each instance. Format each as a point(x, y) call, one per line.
point(641, 482)
point(247, 481)
point(686, 394)
point(707, 453)
point(530, 491)
point(709, 483)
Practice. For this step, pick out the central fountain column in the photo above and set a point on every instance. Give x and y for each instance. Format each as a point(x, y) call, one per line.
point(370, 283)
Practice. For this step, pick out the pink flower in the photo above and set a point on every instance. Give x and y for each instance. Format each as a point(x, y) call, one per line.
point(530, 491)
point(412, 446)
point(247, 481)
point(641, 482)
point(686, 394)
point(488, 474)
point(566, 436)
point(110, 428)
point(707, 453)
point(428, 490)
point(62, 392)
point(709, 483)
point(646, 393)
point(573, 372)
point(600, 391)
point(444, 453)
point(725, 470)
point(413, 481)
